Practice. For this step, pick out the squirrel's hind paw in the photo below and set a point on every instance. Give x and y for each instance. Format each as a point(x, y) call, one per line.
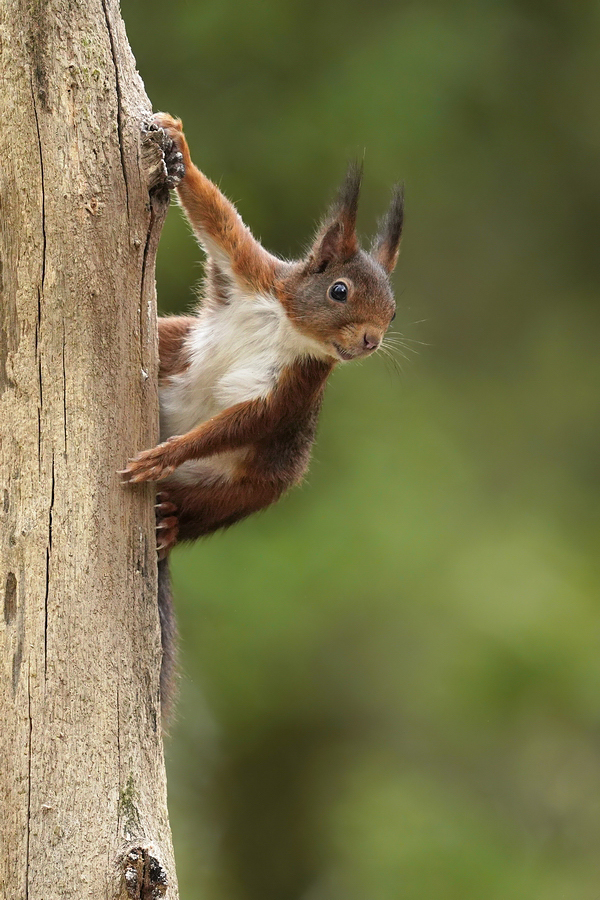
point(167, 526)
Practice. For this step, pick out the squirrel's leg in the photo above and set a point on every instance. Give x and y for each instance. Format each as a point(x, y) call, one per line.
point(215, 219)
point(235, 427)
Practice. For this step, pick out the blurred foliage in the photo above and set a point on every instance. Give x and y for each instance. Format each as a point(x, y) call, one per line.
point(391, 680)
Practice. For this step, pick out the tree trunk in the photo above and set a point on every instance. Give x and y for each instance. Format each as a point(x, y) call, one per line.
point(82, 776)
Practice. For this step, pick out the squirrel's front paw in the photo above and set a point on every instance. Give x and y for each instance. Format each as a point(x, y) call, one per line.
point(174, 164)
point(174, 146)
point(168, 123)
point(150, 465)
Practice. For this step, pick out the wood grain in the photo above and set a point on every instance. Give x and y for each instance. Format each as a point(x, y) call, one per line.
point(82, 781)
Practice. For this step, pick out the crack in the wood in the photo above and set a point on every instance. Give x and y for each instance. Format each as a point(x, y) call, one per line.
point(41, 393)
point(10, 598)
point(119, 102)
point(46, 612)
point(28, 785)
point(143, 281)
point(37, 126)
point(38, 326)
point(64, 376)
point(119, 751)
point(51, 511)
point(48, 552)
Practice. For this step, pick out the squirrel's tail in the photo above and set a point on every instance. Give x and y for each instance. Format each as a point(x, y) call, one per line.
point(168, 630)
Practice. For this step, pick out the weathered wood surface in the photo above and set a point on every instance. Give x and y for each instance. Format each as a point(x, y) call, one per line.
point(82, 778)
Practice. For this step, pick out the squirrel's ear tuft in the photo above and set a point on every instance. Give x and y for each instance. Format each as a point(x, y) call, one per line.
point(386, 244)
point(336, 238)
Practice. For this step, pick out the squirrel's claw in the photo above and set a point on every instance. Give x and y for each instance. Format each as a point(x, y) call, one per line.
point(167, 523)
point(175, 168)
point(150, 465)
point(164, 507)
point(174, 163)
point(167, 527)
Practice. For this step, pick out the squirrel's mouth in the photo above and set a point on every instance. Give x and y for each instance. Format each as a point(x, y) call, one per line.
point(342, 353)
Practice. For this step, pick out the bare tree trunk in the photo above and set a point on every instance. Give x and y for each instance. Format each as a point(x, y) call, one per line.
point(82, 781)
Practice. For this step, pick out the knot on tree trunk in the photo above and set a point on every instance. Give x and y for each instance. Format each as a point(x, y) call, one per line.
point(143, 876)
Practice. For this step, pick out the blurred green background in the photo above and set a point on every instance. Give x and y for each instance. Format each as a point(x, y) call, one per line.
point(391, 680)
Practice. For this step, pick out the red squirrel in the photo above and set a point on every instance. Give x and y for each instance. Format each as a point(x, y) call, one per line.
point(242, 381)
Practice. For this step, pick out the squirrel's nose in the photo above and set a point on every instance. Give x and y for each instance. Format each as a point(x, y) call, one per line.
point(370, 341)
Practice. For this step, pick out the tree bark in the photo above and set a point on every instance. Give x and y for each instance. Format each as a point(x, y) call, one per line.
point(82, 778)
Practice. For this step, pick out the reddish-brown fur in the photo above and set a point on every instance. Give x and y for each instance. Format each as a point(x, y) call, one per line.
point(278, 432)
point(208, 209)
point(265, 442)
point(275, 433)
point(172, 332)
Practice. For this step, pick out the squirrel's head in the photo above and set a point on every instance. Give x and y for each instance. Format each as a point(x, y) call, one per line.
point(340, 295)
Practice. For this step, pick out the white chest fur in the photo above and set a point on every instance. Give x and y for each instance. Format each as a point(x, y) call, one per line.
point(237, 352)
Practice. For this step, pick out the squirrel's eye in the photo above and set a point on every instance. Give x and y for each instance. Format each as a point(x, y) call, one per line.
point(339, 291)
point(393, 317)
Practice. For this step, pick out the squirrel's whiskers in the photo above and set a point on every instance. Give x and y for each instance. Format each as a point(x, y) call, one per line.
point(242, 381)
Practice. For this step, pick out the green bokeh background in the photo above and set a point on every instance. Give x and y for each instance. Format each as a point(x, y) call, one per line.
point(391, 680)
